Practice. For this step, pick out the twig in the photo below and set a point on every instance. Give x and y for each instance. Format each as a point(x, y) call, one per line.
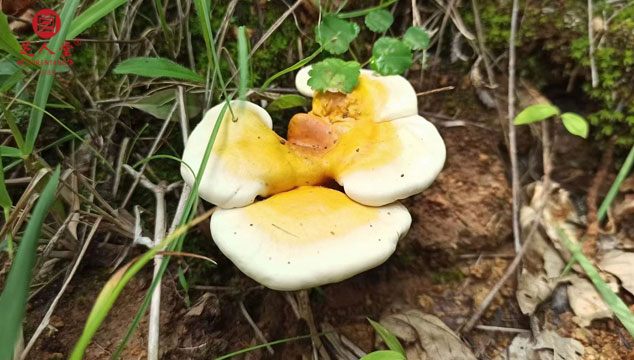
point(306, 313)
point(150, 153)
point(159, 234)
point(256, 329)
point(512, 139)
point(442, 30)
point(274, 27)
point(593, 65)
point(47, 317)
point(481, 45)
point(120, 161)
point(502, 329)
point(429, 92)
point(469, 324)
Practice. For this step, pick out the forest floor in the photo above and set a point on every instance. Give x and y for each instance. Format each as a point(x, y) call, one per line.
point(458, 247)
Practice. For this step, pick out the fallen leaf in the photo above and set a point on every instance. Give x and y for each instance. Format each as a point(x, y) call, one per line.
point(620, 264)
point(541, 268)
point(563, 348)
point(586, 302)
point(548, 345)
point(437, 340)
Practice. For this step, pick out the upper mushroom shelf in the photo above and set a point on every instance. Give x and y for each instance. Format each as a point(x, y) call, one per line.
point(372, 142)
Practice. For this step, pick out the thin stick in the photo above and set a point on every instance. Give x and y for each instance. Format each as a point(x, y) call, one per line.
point(47, 317)
point(442, 30)
point(256, 329)
point(155, 305)
point(150, 153)
point(469, 324)
point(159, 234)
point(483, 50)
point(429, 92)
point(274, 27)
point(502, 329)
point(512, 139)
point(593, 65)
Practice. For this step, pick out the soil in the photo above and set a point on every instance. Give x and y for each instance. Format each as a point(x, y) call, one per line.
point(457, 248)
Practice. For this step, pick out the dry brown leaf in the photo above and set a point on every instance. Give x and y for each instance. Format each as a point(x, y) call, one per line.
point(436, 339)
point(620, 264)
point(548, 345)
point(541, 269)
point(563, 348)
point(586, 302)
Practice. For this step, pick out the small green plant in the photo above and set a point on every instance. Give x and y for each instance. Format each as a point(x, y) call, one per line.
point(390, 56)
point(395, 352)
point(574, 123)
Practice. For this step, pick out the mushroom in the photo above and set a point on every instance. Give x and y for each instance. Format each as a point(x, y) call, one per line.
point(248, 159)
point(372, 142)
point(307, 237)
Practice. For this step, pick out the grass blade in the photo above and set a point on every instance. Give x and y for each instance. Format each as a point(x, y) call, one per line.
point(614, 189)
point(8, 151)
point(16, 290)
point(93, 14)
point(298, 65)
point(161, 14)
point(243, 63)
point(74, 134)
point(240, 352)
point(390, 339)
point(6, 204)
point(363, 12)
point(617, 305)
point(157, 67)
point(45, 81)
point(5, 199)
point(8, 42)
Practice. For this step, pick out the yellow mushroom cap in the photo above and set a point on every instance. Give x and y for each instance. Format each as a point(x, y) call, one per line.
point(308, 237)
point(403, 160)
point(247, 160)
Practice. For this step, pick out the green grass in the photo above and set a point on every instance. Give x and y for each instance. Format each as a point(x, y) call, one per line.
point(615, 303)
point(16, 289)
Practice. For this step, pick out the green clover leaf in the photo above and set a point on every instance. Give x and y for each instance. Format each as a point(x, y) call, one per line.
point(379, 20)
point(390, 56)
point(416, 38)
point(335, 34)
point(334, 73)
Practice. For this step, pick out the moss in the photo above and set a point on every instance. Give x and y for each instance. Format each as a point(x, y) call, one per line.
point(553, 43)
point(448, 276)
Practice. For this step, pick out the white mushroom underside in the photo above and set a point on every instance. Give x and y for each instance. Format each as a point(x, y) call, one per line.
point(411, 172)
point(300, 263)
